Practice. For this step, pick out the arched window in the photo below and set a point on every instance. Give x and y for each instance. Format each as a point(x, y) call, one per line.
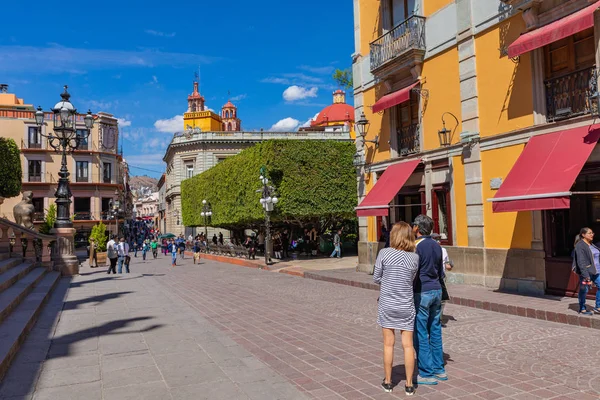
point(193, 107)
point(229, 126)
point(227, 114)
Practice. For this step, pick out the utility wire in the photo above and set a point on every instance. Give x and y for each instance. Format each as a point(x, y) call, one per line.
point(145, 169)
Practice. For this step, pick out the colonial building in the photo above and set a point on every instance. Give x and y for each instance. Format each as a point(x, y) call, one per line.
point(337, 117)
point(98, 172)
point(196, 149)
point(485, 112)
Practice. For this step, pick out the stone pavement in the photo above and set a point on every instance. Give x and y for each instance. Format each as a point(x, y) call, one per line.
point(548, 308)
point(220, 331)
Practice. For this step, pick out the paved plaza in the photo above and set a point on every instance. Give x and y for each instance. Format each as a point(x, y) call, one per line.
point(218, 331)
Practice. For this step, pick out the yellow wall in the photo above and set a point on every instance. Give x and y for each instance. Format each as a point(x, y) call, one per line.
point(207, 121)
point(460, 202)
point(442, 80)
point(370, 23)
point(380, 125)
point(431, 6)
point(502, 230)
point(504, 87)
point(371, 221)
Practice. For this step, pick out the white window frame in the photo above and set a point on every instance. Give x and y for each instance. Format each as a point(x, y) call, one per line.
point(90, 168)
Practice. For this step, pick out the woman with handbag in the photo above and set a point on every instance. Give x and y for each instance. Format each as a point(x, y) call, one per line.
point(586, 264)
point(395, 270)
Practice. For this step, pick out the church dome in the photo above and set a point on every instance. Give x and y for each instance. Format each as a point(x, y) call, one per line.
point(229, 104)
point(339, 112)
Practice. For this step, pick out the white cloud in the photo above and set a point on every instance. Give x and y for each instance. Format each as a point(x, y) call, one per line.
point(159, 33)
point(307, 123)
point(156, 143)
point(285, 125)
point(58, 59)
point(97, 106)
point(303, 77)
point(294, 93)
point(239, 97)
point(123, 122)
point(170, 125)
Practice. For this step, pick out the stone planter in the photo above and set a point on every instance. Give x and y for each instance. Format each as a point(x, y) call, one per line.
point(101, 258)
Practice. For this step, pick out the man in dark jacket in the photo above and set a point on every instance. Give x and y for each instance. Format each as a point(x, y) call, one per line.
point(428, 304)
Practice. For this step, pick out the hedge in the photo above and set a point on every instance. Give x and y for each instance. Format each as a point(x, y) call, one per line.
point(10, 168)
point(315, 182)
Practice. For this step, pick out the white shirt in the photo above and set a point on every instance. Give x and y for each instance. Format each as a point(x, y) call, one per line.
point(123, 249)
point(111, 244)
point(445, 258)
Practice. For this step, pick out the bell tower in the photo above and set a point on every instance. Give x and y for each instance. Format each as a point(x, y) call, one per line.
point(231, 122)
point(195, 100)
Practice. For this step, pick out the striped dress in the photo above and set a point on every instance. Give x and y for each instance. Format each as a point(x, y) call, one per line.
point(395, 271)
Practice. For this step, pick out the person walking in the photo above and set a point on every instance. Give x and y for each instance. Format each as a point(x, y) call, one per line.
point(154, 247)
point(221, 238)
point(337, 240)
point(395, 271)
point(145, 248)
point(181, 246)
point(173, 250)
point(112, 255)
point(123, 252)
point(214, 239)
point(428, 303)
point(586, 264)
point(197, 251)
point(285, 243)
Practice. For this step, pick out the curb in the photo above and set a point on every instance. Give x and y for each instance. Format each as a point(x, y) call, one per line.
point(551, 316)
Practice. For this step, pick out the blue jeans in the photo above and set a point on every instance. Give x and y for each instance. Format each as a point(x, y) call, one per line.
point(173, 258)
point(144, 254)
point(428, 333)
point(583, 290)
point(337, 251)
point(121, 262)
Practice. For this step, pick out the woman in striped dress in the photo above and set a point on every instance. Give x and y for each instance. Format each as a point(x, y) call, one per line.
point(395, 270)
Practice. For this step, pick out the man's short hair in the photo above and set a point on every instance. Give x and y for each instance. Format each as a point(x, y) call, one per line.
point(424, 223)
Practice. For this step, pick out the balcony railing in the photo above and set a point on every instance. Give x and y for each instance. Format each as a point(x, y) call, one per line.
point(568, 95)
point(408, 140)
point(79, 178)
point(26, 144)
point(408, 35)
point(34, 178)
point(82, 215)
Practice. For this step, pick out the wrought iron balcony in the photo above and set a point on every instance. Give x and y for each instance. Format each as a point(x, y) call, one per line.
point(406, 36)
point(35, 178)
point(568, 96)
point(82, 216)
point(409, 140)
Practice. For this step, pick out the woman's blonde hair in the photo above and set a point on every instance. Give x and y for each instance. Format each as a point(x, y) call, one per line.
point(402, 237)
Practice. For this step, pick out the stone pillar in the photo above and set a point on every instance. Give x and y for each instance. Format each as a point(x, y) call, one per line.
point(63, 254)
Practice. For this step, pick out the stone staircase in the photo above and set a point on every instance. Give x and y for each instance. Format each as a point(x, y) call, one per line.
point(25, 284)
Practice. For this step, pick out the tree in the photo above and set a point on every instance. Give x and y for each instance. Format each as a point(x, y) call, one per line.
point(10, 168)
point(315, 182)
point(343, 77)
point(49, 219)
point(99, 235)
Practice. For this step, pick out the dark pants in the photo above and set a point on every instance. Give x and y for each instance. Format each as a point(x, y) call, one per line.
point(113, 265)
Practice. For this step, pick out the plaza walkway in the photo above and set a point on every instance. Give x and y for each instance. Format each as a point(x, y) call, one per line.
point(218, 331)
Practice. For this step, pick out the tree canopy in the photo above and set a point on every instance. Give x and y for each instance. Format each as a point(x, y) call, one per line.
point(10, 168)
point(315, 182)
point(343, 77)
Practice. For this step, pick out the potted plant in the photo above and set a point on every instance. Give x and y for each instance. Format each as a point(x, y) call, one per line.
point(48, 223)
point(100, 237)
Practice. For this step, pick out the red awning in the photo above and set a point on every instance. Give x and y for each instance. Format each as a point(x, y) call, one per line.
point(393, 99)
point(554, 31)
point(542, 177)
point(377, 201)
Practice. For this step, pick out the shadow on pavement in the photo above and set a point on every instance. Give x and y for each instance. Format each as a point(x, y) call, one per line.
point(71, 305)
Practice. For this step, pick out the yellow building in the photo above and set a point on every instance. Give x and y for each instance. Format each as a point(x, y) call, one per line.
point(485, 123)
point(198, 117)
point(98, 172)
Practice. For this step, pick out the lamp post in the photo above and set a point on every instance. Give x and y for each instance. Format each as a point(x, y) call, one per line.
point(206, 213)
point(64, 139)
point(268, 201)
point(114, 203)
point(445, 135)
point(362, 128)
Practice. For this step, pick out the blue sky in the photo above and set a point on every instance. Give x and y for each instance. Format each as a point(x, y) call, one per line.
point(137, 60)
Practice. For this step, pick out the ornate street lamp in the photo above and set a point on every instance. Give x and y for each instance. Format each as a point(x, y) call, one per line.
point(445, 135)
point(267, 201)
point(362, 128)
point(206, 213)
point(114, 204)
point(64, 139)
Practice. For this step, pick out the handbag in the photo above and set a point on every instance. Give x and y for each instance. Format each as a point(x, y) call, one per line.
point(445, 295)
